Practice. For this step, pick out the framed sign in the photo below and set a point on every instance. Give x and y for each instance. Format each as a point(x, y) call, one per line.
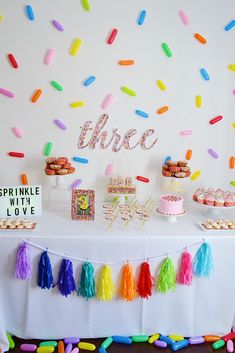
point(83, 205)
point(20, 201)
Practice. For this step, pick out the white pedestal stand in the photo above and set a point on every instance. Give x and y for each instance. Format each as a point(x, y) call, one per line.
point(171, 218)
point(213, 211)
point(59, 198)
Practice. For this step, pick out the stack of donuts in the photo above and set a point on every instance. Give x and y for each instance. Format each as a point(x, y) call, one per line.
point(177, 169)
point(58, 166)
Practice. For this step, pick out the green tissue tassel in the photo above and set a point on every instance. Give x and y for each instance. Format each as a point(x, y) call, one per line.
point(167, 276)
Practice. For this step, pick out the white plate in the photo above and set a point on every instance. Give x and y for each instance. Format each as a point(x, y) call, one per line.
point(19, 230)
point(213, 229)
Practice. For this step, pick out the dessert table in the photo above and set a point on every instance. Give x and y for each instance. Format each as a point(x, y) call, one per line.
point(205, 307)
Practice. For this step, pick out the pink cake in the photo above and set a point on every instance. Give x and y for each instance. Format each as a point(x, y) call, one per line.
point(171, 205)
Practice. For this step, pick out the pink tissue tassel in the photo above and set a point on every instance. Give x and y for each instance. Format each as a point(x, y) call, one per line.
point(185, 275)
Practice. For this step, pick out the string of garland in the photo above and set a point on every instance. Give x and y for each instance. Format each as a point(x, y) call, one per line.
point(166, 279)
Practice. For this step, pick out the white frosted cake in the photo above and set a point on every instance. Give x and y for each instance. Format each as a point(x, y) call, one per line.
point(171, 205)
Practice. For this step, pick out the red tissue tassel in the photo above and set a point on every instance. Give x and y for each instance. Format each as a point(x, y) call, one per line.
point(145, 281)
point(185, 275)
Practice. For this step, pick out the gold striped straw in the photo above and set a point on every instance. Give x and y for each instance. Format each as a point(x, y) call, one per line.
point(150, 209)
point(117, 213)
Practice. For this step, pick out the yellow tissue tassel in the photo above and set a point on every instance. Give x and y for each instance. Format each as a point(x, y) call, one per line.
point(105, 285)
point(127, 286)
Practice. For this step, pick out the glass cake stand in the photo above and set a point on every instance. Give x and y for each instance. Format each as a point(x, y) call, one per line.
point(59, 198)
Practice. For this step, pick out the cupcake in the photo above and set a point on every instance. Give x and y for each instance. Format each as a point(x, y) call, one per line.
point(209, 199)
point(195, 197)
point(219, 201)
point(229, 201)
point(201, 199)
point(196, 194)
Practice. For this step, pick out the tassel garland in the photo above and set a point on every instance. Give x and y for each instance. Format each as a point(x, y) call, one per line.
point(87, 282)
point(167, 276)
point(45, 276)
point(66, 281)
point(201, 266)
point(185, 275)
point(127, 287)
point(203, 263)
point(105, 285)
point(145, 281)
point(23, 268)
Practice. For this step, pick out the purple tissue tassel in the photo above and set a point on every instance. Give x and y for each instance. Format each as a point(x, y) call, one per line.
point(23, 268)
point(66, 281)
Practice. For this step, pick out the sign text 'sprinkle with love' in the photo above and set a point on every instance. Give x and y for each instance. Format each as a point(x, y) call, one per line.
point(20, 201)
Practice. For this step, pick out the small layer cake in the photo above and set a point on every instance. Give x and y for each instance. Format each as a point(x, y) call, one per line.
point(171, 205)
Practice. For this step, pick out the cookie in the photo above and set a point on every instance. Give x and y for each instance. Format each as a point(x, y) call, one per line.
point(167, 173)
point(180, 175)
point(55, 166)
point(175, 169)
point(50, 172)
point(61, 160)
point(182, 163)
point(67, 165)
point(50, 160)
point(171, 163)
point(62, 171)
point(71, 170)
point(185, 169)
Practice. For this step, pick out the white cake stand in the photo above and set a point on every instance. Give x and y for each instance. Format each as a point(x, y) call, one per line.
point(171, 218)
point(213, 211)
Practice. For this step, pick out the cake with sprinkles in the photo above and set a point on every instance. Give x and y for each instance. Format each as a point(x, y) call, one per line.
point(171, 205)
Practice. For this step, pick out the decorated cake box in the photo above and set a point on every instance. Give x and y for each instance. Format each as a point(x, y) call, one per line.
point(120, 185)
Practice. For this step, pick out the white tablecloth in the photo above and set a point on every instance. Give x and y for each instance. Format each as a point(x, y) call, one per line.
point(206, 307)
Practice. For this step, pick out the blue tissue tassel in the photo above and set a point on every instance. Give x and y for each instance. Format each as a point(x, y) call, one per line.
point(45, 276)
point(203, 263)
point(66, 281)
point(87, 283)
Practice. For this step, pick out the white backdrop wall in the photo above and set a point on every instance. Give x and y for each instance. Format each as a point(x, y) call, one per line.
point(29, 41)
